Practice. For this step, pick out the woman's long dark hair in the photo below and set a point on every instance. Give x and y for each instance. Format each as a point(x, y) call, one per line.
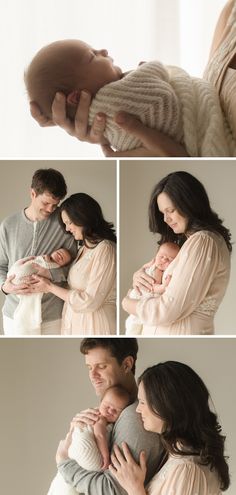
point(178, 395)
point(85, 211)
point(191, 200)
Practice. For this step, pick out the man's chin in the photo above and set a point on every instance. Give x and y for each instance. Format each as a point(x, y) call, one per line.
point(99, 389)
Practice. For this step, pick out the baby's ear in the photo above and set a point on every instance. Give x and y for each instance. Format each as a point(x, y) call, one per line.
point(73, 98)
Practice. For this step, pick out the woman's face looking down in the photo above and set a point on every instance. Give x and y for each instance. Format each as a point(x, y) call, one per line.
point(177, 222)
point(75, 230)
point(151, 421)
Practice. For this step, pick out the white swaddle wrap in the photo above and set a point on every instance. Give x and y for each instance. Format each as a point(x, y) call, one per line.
point(28, 314)
point(84, 451)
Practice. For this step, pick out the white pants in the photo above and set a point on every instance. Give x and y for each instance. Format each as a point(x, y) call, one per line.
point(47, 328)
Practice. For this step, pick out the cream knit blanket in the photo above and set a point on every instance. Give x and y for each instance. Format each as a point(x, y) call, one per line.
point(168, 99)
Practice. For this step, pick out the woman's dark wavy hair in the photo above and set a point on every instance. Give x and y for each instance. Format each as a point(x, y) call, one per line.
point(84, 211)
point(178, 395)
point(191, 200)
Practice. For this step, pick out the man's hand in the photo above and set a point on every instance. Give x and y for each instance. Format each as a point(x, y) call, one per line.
point(10, 288)
point(86, 417)
point(62, 450)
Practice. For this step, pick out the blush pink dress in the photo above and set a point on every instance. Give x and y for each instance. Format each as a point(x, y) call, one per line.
point(199, 278)
point(91, 308)
point(183, 475)
point(218, 70)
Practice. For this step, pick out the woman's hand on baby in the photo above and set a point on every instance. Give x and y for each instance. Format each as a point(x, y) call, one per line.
point(41, 271)
point(41, 284)
point(86, 417)
point(128, 473)
point(62, 450)
point(154, 142)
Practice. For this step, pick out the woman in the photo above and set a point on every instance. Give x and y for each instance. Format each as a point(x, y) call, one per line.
point(90, 306)
point(220, 71)
point(180, 211)
point(174, 403)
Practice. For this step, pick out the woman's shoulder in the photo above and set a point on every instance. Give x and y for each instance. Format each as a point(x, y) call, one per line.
point(106, 246)
point(206, 238)
point(181, 472)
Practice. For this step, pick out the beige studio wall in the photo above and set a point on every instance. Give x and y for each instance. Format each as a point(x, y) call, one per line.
point(44, 382)
point(97, 178)
point(138, 245)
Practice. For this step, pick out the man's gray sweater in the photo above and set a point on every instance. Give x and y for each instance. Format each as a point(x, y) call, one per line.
point(20, 237)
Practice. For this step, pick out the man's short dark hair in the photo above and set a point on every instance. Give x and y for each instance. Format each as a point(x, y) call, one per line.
point(119, 348)
point(51, 180)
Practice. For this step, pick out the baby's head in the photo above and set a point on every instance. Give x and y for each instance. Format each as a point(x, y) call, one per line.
point(61, 256)
point(68, 66)
point(114, 400)
point(165, 254)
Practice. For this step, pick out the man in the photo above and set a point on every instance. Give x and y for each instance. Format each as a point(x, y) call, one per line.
point(34, 231)
point(111, 361)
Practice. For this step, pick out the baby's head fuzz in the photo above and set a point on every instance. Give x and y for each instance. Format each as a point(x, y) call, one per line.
point(53, 69)
point(114, 400)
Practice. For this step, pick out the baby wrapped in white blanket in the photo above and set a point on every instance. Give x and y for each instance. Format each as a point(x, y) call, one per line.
point(28, 312)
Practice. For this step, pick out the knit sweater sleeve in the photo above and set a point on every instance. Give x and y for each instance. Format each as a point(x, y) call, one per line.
point(145, 92)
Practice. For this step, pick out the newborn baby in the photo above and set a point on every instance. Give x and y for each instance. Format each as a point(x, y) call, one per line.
point(28, 312)
point(165, 255)
point(162, 97)
point(90, 444)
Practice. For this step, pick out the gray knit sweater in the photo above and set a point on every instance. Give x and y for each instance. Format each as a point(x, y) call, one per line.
point(20, 237)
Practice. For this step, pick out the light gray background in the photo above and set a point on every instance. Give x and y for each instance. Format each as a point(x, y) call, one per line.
point(44, 382)
point(97, 178)
point(138, 245)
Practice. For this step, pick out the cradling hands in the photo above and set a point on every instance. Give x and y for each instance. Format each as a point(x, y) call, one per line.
point(86, 417)
point(78, 128)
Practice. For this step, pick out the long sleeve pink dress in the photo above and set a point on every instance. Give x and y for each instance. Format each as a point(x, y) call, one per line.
point(91, 308)
point(184, 475)
point(218, 70)
point(199, 278)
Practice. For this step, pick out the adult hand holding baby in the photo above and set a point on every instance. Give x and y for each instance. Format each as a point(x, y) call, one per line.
point(87, 417)
point(62, 450)
point(79, 127)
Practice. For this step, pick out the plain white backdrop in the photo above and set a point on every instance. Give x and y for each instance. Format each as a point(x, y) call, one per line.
point(177, 32)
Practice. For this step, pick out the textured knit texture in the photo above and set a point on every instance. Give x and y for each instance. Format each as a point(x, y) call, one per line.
point(146, 93)
point(167, 99)
point(84, 451)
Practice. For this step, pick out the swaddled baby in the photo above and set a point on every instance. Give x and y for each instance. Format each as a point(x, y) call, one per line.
point(28, 312)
